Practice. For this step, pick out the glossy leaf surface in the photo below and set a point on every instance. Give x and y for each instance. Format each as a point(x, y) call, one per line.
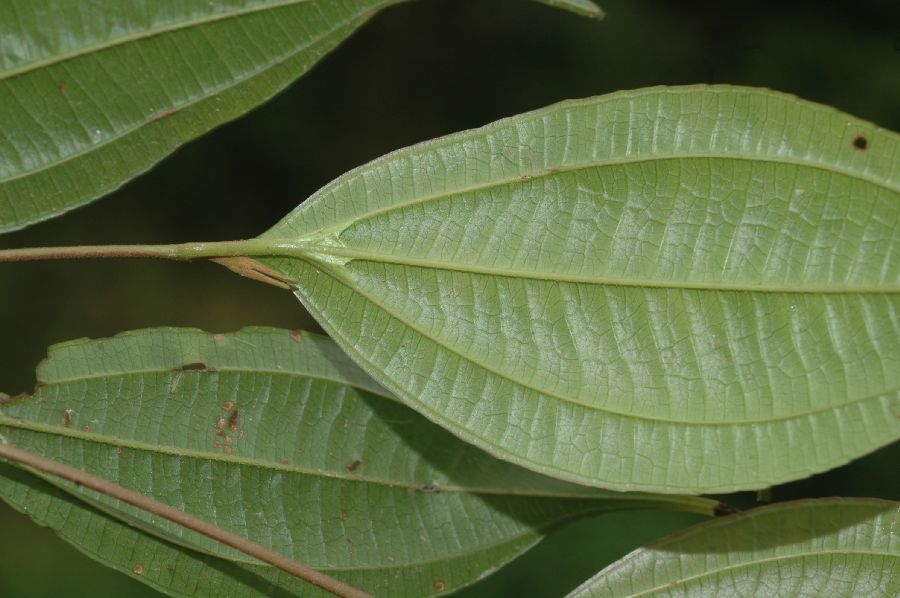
point(94, 93)
point(279, 437)
point(830, 547)
point(674, 289)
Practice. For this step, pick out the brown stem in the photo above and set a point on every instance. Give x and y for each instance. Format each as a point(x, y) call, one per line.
point(290, 566)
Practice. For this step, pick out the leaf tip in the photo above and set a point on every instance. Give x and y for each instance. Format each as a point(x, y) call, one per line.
point(585, 8)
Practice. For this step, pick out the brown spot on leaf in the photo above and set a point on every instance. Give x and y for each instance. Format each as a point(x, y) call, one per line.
point(353, 466)
point(119, 450)
point(297, 335)
point(220, 427)
point(350, 543)
point(860, 143)
point(62, 86)
point(428, 488)
point(344, 516)
point(86, 428)
point(219, 338)
point(228, 406)
point(195, 367)
point(138, 569)
point(440, 585)
point(68, 417)
point(234, 420)
point(285, 462)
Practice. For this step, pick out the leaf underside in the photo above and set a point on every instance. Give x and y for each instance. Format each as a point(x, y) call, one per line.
point(828, 547)
point(93, 94)
point(673, 289)
point(279, 437)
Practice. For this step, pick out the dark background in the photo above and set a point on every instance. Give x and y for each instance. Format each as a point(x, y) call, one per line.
point(417, 71)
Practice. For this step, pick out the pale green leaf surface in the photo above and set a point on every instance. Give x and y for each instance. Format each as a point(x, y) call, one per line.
point(94, 93)
point(319, 464)
point(836, 547)
point(674, 289)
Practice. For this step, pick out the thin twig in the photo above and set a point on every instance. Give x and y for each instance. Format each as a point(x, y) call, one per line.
point(290, 566)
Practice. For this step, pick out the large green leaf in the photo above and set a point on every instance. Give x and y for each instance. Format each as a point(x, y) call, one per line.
point(281, 438)
point(94, 93)
point(832, 547)
point(674, 289)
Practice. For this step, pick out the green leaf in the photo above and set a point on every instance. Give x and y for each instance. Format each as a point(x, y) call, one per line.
point(682, 290)
point(279, 437)
point(94, 93)
point(830, 547)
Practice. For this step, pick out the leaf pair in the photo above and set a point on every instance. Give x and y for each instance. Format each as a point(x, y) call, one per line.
point(280, 438)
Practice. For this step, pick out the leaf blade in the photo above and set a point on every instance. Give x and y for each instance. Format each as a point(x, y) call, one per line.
point(699, 276)
point(279, 437)
point(93, 95)
point(838, 547)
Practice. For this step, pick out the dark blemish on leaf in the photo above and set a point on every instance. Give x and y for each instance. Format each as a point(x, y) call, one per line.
point(62, 86)
point(228, 406)
point(860, 143)
point(428, 488)
point(195, 367)
point(297, 335)
point(220, 427)
point(68, 417)
point(285, 462)
point(344, 516)
point(119, 450)
point(349, 543)
point(164, 114)
point(722, 509)
point(440, 585)
point(234, 420)
point(353, 466)
point(138, 569)
point(86, 428)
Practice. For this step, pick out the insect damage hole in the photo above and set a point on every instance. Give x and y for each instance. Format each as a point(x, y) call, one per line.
point(860, 143)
